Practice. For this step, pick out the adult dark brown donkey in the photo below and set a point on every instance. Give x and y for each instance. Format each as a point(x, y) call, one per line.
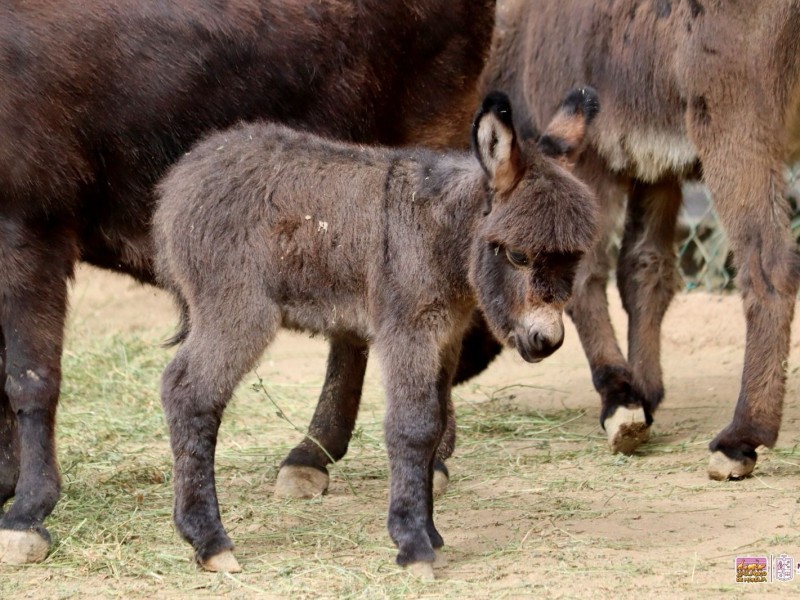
point(689, 88)
point(261, 227)
point(99, 97)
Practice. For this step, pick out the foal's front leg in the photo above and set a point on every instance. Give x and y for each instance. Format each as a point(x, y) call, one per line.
point(413, 427)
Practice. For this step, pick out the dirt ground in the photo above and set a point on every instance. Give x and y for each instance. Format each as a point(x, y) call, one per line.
point(536, 508)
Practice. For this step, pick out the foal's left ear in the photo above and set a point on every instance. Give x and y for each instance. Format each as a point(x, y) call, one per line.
point(494, 142)
point(563, 138)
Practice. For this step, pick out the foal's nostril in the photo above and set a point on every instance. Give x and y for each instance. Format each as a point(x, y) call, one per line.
point(542, 345)
point(539, 333)
point(538, 341)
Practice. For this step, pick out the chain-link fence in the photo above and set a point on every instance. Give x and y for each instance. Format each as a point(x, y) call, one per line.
point(704, 259)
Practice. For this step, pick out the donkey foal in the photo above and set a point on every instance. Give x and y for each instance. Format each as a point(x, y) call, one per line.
point(261, 226)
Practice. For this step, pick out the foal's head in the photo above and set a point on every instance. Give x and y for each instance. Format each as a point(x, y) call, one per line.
point(541, 220)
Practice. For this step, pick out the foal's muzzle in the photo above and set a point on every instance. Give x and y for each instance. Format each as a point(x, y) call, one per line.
point(539, 334)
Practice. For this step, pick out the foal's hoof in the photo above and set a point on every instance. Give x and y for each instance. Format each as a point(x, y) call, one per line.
point(721, 467)
point(298, 481)
point(627, 429)
point(421, 570)
point(21, 547)
point(440, 483)
point(224, 562)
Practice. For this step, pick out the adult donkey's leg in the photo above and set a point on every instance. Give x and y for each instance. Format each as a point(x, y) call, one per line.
point(622, 411)
point(304, 473)
point(647, 278)
point(9, 443)
point(478, 349)
point(37, 261)
point(748, 187)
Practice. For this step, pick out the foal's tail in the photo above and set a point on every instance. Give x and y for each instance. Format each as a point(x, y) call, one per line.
point(184, 324)
point(183, 328)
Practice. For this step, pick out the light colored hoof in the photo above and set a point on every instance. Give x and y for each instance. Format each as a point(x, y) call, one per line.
point(224, 562)
point(421, 570)
point(720, 467)
point(296, 481)
point(626, 429)
point(440, 561)
point(440, 483)
point(21, 547)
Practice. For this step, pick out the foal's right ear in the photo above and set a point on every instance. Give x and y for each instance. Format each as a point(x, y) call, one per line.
point(494, 142)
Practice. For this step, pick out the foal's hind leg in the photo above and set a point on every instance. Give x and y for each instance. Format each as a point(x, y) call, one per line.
point(647, 279)
point(441, 474)
point(748, 195)
point(479, 348)
point(223, 344)
point(449, 361)
point(304, 473)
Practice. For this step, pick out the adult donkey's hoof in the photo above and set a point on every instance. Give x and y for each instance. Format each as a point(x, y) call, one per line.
point(21, 547)
point(439, 561)
point(299, 481)
point(440, 483)
point(441, 479)
point(722, 467)
point(627, 429)
point(224, 562)
point(421, 570)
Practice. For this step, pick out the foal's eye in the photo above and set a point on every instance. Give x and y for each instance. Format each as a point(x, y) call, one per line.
point(518, 259)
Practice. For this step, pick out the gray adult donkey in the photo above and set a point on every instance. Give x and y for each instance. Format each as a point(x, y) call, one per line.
point(261, 226)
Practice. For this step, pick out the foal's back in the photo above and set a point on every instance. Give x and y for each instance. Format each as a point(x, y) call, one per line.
point(311, 221)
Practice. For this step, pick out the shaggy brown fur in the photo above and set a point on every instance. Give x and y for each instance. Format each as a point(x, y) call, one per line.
point(700, 87)
point(261, 227)
point(99, 97)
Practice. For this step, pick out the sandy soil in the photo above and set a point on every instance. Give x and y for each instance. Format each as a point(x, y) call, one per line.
point(648, 524)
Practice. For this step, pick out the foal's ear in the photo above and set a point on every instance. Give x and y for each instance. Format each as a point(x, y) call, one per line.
point(494, 142)
point(563, 138)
